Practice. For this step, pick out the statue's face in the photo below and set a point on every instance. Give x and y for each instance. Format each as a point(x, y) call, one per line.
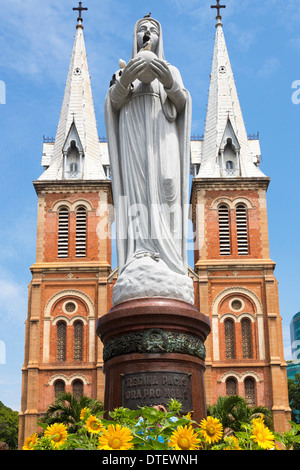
point(147, 30)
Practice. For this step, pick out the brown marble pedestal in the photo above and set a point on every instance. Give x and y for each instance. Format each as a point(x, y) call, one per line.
point(154, 351)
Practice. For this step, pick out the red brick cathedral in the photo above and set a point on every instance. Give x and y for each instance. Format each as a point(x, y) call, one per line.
point(233, 275)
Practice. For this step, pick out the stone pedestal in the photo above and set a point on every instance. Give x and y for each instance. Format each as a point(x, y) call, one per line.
point(154, 351)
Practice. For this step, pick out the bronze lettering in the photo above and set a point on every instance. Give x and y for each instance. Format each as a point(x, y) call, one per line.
point(156, 388)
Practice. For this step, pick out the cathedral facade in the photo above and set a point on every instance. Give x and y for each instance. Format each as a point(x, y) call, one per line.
point(233, 275)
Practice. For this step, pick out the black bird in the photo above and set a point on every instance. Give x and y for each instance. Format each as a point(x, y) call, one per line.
point(148, 16)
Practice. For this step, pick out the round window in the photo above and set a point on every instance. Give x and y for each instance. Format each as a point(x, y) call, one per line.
point(236, 304)
point(70, 307)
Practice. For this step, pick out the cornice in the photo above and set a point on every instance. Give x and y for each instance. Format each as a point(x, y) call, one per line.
point(230, 183)
point(230, 263)
point(65, 186)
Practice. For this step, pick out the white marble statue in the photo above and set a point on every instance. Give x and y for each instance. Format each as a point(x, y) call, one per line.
point(148, 120)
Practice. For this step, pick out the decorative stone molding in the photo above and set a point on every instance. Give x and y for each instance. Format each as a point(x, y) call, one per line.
point(258, 315)
point(234, 301)
point(237, 290)
point(70, 293)
point(231, 202)
point(72, 206)
point(69, 321)
point(66, 305)
point(154, 341)
point(68, 380)
point(240, 377)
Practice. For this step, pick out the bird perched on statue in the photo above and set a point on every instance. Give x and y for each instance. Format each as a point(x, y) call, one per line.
point(148, 15)
point(147, 45)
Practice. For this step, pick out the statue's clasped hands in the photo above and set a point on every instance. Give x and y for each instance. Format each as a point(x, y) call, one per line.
point(137, 65)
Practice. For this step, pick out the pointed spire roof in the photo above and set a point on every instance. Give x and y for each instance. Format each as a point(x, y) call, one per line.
point(77, 110)
point(224, 114)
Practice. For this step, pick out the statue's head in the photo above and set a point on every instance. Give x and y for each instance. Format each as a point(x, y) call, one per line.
point(148, 29)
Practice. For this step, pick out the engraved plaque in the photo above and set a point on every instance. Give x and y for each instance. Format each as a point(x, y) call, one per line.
point(156, 388)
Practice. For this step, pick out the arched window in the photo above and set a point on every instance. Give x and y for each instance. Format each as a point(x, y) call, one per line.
point(59, 387)
point(81, 232)
point(229, 339)
point(224, 230)
point(229, 165)
point(242, 229)
point(78, 340)
point(77, 388)
point(63, 233)
point(246, 338)
point(231, 386)
point(61, 341)
point(250, 391)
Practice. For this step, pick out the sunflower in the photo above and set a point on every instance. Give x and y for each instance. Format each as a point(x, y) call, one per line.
point(83, 413)
point(263, 436)
point(93, 425)
point(259, 420)
point(30, 442)
point(184, 438)
point(57, 433)
point(212, 430)
point(115, 438)
point(232, 443)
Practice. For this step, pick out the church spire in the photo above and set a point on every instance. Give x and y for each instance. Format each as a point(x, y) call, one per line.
point(226, 150)
point(76, 150)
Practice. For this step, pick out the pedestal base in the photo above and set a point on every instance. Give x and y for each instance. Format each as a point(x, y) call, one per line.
point(154, 351)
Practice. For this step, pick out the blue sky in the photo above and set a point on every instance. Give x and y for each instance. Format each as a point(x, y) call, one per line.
point(36, 40)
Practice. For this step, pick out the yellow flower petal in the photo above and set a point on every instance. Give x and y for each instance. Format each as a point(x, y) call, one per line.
point(57, 433)
point(30, 442)
point(184, 438)
point(212, 430)
point(93, 425)
point(115, 438)
point(263, 436)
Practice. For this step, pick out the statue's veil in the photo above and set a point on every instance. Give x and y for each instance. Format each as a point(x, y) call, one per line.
point(159, 49)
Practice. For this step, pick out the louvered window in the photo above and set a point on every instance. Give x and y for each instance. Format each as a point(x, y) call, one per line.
point(77, 389)
point(250, 391)
point(61, 341)
point(229, 339)
point(81, 232)
point(246, 338)
point(78, 336)
point(242, 229)
point(231, 387)
point(63, 233)
point(224, 231)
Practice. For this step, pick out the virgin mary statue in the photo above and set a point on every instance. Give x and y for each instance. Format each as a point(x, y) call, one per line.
point(148, 121)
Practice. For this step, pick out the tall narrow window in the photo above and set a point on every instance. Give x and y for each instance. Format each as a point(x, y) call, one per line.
point(78, 336)
point(242, 229)
point(246, 338)
point(229, 339)
point(81, 232)
point(77, 389)
point(61, 341)
point(224, 231)
point(59, 388)
point(63, 233)
point(231, 387)
point(250, 391)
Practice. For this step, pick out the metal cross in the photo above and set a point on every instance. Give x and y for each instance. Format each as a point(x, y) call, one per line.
point(218, 7)
point(80, 9)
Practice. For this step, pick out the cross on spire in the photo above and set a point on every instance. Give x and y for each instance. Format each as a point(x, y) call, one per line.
point(218, 7)
point(80, 8)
